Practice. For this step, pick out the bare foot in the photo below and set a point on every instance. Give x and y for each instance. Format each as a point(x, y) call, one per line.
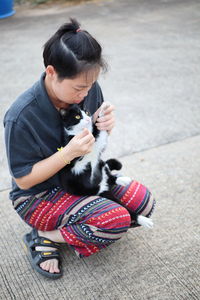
point(50, 265)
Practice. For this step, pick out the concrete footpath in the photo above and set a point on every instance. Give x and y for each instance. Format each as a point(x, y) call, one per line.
point(152, 48)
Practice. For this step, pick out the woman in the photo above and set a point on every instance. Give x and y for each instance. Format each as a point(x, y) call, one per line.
point(33, 133)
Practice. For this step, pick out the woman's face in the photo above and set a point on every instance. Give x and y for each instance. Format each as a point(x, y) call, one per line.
point(69, 91)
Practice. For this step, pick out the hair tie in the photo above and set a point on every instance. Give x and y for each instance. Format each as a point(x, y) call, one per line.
point(78, 30)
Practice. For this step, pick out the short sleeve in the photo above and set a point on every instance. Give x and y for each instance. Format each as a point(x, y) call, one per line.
point(21, 148)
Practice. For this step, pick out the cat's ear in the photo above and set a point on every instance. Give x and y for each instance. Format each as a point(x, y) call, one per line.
point(63, 113)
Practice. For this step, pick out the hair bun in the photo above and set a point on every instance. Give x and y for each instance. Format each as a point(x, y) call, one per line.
point(72, 26)
point(72, 51)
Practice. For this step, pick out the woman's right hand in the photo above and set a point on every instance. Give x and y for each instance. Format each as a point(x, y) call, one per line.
point(80, 144)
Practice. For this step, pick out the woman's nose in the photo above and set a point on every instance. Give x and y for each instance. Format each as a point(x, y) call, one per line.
point(83, 94)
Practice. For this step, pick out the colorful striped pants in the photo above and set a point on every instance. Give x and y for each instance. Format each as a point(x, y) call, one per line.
point(87, 223)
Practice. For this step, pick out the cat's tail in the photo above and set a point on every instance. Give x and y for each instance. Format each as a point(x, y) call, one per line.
point(143, 221)
point(114, 164)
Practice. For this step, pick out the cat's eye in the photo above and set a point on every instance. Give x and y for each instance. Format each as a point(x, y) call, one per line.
point(87, 113)
point(77, 117)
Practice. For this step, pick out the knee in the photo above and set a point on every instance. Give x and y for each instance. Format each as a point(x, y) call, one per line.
point(116, 219)
point(149, 205)
point(139, 199)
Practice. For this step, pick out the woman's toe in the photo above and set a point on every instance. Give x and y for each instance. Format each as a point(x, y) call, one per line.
point(51, 267)
point(55, 267)
point(45, 265)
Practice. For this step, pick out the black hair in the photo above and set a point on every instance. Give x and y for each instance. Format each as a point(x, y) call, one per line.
point(72, 51)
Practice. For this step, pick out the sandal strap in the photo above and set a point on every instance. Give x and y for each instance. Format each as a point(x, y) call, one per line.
point(41, 256)
point(42, 241)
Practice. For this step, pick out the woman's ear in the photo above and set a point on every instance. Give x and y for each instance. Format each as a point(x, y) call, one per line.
point(50, 71)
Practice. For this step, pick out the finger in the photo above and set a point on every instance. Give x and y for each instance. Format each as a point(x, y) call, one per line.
point(90, 142)
point(83, 133)
point(90, 145)
point(87, 139)
point(96, 114)
point(105, 118)
point(104, 125)
point(107, 128)
point(109, 109)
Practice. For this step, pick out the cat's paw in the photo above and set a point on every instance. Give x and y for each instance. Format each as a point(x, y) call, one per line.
point(144, 221)
point(123, 180)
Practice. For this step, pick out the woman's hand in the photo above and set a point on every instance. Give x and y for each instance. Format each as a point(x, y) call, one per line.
point(79, 145)
point(107, 121)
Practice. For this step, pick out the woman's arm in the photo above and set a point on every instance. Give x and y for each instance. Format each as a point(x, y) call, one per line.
point(43, 170)
point(80, 145)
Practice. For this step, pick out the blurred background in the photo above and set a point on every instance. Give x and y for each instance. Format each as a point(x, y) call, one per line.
point(153, 51)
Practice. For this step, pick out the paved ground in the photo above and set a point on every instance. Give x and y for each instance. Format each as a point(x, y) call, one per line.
point(153, 51)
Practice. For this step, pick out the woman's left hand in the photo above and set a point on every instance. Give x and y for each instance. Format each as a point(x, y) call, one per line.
point(107, 121)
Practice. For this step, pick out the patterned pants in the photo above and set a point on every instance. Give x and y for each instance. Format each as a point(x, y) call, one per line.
point(87, 223)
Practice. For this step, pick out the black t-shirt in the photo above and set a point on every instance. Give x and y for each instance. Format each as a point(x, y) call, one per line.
point(33, 132)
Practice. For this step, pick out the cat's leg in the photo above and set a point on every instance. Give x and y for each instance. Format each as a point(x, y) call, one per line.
point(112, 179)
point(123, 180)
point(103, 186)
point(113, 164)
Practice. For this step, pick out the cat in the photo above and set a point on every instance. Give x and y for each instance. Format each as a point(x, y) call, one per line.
point(89, 174)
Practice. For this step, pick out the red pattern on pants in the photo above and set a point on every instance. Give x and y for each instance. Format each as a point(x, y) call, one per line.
point(87, 224)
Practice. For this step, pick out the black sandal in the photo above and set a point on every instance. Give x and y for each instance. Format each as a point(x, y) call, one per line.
point(33, 240)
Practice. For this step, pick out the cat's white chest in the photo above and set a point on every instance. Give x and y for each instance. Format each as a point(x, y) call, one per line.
point(92, 157)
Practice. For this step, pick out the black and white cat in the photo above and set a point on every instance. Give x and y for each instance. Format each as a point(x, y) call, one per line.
point(89, 174)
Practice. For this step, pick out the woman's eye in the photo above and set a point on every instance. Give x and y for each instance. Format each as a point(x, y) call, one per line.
point(77, 117)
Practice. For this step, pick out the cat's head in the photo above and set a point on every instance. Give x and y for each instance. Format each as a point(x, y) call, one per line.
point(75, 120)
